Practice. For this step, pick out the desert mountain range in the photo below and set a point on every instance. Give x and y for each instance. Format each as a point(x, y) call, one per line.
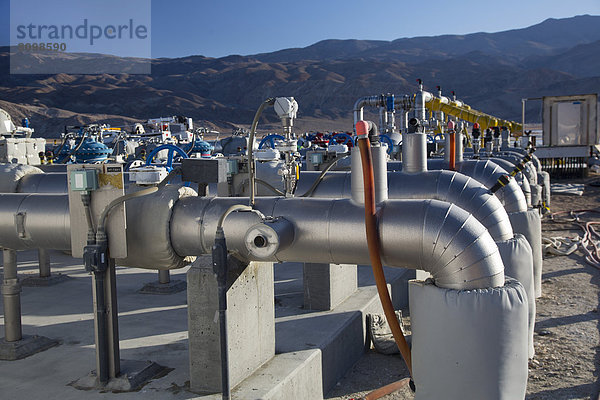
point(492, 72)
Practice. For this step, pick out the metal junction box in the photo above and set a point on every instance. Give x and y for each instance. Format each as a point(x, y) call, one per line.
point(109, 186)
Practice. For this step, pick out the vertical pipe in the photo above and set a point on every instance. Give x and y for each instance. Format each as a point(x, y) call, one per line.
point(414, 153)
point(452, 152)
point(164, 276)
point(101, 328)
point(44, 261)
point(458, 143)
point(11, 294)
point(523, 116)
point(112, 316)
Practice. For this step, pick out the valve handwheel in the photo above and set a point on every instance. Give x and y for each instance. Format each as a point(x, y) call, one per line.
point(170, 156)
point(270, 139)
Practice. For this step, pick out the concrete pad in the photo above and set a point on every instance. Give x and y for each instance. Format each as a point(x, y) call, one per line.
point(27, 346)
point(41, 281)
point(155, 328)
point(134, 375)
point(294, 375)
point(174, 286)
point(341, 334)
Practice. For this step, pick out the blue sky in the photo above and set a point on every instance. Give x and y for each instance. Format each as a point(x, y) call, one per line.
point(217, 28)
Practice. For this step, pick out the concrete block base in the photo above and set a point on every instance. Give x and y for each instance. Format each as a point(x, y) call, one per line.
point(25, 347)
point(38, 281)
point(250, 322)
point(294, 375)
point(328, 285)
point(134, 375)
point(174, 286)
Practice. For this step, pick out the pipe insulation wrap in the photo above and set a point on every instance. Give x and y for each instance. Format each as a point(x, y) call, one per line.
point(518, 264)
point(529, 224)
point(442, 185)
point(32, 221)
point(414, 153)
point(148, 230)
point(11, 174)
point(379, 171)
point(432, 235)
point(520, 178)
point(49, 182)
point(482, 353)
point(485, 172)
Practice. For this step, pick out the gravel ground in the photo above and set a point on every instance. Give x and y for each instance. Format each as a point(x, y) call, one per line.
point(567, 341)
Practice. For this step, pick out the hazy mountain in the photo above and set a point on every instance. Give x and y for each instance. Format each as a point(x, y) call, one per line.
point(545, 38)
point(491, 72)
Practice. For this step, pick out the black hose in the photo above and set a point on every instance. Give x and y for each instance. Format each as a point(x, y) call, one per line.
point(314, 186)
point(193, 144)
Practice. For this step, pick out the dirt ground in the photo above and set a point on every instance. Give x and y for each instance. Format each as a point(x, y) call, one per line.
point(567, 340)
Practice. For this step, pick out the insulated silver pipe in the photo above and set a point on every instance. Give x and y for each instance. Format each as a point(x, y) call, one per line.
point(443, 185)
point(487, 173)
point(379, 172)
point(33, 221)
point(458, 142)
point(414, 153)
point(434, 236)
point(11, 296)
point(519, 178)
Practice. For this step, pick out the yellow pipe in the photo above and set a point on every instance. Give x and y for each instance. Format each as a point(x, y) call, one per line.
point(468, 114)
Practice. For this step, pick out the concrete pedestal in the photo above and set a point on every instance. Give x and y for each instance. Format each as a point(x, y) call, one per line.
point(164, 285)
point(250, 319)
point(328, 285)
point(45, 277)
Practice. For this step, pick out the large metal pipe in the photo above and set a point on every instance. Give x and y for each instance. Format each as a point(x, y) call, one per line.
point(434, 236)
point(485, 172)
point(11, 296)
point(414, 153)
point(32, 221)
point(443, 185)
point(380, 172)
point(520, 179)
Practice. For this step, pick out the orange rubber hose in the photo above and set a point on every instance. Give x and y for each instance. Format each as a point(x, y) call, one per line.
point(452, 150)
point(374, 244)
point(387, 389)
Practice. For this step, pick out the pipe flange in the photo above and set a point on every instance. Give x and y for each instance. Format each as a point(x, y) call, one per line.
point(262, 241)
